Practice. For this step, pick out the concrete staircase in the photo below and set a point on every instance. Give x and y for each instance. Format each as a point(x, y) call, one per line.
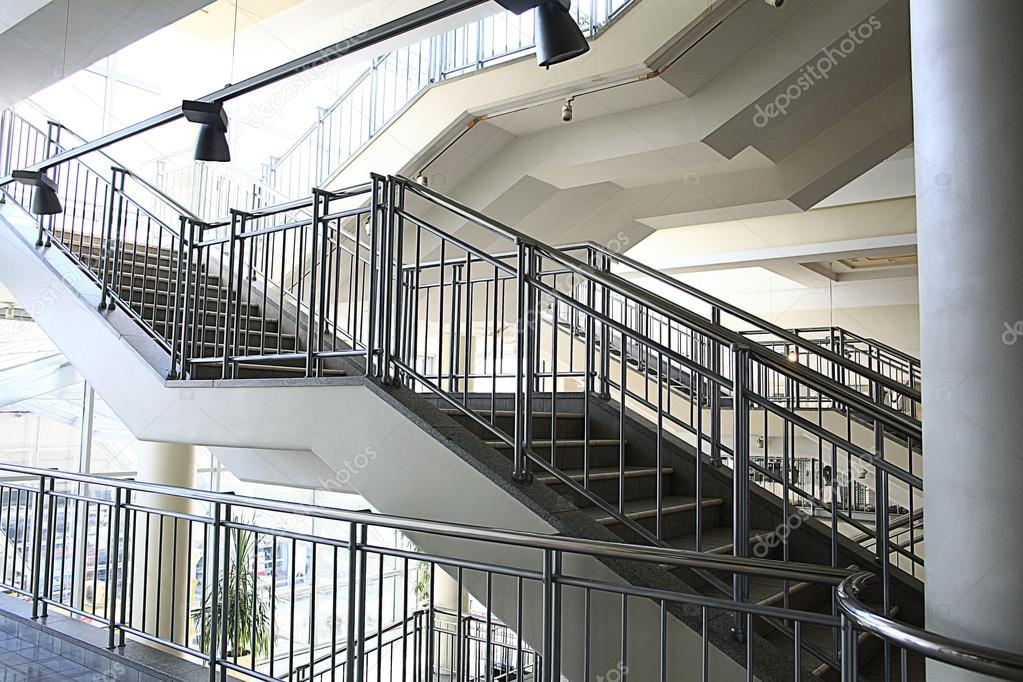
point(696, 514)
point(638, 479)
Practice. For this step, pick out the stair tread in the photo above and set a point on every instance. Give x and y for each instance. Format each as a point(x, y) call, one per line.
point(604, 473)
point(562, 443)
point(511, 413)
point(717, 540)
point(647, 508)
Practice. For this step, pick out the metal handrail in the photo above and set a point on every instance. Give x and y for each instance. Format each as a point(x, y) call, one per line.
point(413, 617)
point(434, 71)
point(611, 550)
point(117, 165)
point(718, 333)
point(745, 316)
point(1005, 665)
point(362, 41)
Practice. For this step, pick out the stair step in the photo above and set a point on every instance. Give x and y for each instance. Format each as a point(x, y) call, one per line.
point(566, 443)
point(717, 540)
point(256, 370)
point(212, 317)
point(569, 424)
point(647, 508)
point(511, 413)
point(605, 483)
point(603, 474)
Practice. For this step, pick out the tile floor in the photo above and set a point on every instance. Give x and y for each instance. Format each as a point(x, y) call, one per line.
point(23, 661)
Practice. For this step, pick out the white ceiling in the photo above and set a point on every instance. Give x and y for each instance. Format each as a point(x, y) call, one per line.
point(32, 37)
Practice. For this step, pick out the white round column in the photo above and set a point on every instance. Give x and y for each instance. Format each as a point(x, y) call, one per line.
point(968, 115)
point(162, 571)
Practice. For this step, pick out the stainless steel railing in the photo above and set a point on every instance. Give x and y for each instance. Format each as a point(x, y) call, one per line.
point(322, 291)
point(907, 642)
point(386, 89)
point(395, 80)
point(223, 554)
point(487, 644)
point(845, 357)
point(112, 552)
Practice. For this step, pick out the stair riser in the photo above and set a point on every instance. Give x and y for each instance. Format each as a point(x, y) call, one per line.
point(814, 598)
point(636, 488)
point(141, 270)
point(211, 372)
point(265, 345)
point(211, 320)
point(572, 457)
point(673, 525)
point(567, 427)
point(210, 350)
point(212, 304)
point(93, 248)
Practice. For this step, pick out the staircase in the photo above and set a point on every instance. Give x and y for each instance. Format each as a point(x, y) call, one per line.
point(620, 413)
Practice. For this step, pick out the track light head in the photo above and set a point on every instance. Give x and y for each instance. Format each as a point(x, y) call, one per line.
point(211, 144)
point(567, 112)
point(44, 195)
point(558, 37)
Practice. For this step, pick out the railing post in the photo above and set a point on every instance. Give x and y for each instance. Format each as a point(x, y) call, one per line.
point(715, 395)
point(526, 323)
point(605, 336)
point(397, 305)
point(226, 369)
point(353, 553)
point(37, 546)
point(315, 316)
point(105, 241)
point(225, 573)
point(125, 563)
point(178, 287)
point(215, 591)
point(186, 301)
point(112, 557)
point(548, 616)
point(360, 659)
point(51, 539)
point(847, 655)
point(372, 358)
point(390, 190)
point(740, 481)
point(117, 189)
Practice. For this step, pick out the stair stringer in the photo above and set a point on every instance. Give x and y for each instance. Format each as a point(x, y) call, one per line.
point(391, 454)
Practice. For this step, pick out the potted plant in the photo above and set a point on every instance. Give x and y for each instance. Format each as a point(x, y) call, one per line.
point(248, 629)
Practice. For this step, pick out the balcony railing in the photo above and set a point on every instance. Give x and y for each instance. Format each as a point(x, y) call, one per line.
point(141, 559)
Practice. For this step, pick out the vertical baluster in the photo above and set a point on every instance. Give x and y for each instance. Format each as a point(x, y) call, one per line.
point(740, 478)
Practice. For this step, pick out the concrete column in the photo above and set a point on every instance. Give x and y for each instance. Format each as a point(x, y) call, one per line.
point(162, 566)
point(967, 71)
point(446, 596)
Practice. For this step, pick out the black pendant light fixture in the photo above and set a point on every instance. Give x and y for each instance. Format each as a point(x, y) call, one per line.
point(211, 144)
point(558, 37)
point(44, 195)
